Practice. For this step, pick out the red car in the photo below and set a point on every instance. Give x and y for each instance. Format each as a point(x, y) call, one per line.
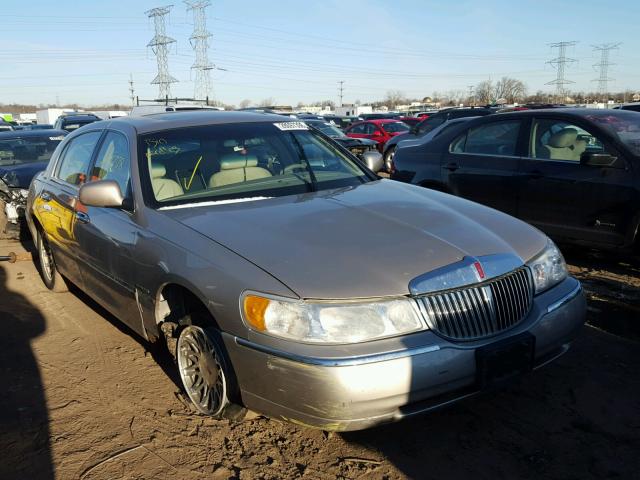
point(379, 130)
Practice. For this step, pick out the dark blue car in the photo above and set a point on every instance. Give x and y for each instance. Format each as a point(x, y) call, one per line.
point(23, 153)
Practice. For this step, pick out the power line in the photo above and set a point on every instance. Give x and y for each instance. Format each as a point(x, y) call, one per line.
point(603, 67)
point(159, 45)
point(559, 63)
point(341, 90)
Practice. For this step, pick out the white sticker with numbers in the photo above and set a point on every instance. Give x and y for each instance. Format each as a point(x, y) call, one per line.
point(284, 126)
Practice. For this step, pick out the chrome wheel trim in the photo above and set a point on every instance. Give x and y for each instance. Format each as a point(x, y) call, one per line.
point(201, 371)
point(46, 259)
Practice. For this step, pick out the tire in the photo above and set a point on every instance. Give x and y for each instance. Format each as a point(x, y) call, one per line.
point(204, 370)
point(388, 157)
point(48, 271)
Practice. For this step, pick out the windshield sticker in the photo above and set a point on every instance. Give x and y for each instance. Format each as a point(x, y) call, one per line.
point(284, 126)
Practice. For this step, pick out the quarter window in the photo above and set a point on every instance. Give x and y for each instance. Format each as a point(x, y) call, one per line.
point(559, 140)
point(77, 158)
point(495, 138)
point(113, 162)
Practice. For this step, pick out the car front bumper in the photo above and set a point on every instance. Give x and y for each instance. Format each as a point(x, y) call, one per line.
point(359, 391)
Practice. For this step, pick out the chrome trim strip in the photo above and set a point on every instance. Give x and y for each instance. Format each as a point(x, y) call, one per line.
point(337, 362)
point(566, 299)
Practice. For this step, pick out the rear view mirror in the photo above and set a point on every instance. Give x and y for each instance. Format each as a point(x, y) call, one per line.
point(373, 160)
point(103, 193)
point(598, 159)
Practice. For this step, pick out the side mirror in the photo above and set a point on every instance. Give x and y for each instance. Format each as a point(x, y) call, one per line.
point(597, 159)
point(377, 133)
point(103, 193)
point(373, 160)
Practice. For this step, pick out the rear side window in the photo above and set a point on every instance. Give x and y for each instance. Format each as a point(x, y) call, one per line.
point(74, 166)
point(113, 162)
point(496, 138)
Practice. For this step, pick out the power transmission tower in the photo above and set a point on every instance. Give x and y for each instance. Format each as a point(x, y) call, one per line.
point(559, 63)
point(471, 95)
point(200, 42)
point(603, 67)
point(160, 46)
point(341, 90)
point(132, 92)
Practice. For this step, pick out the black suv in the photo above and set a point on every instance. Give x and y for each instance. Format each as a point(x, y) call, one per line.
point(427, 125)
point(573, 173)
point(73, 121)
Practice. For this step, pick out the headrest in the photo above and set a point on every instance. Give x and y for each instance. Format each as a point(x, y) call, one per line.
point(564, 138)
point(234, 160)
point(158, 170)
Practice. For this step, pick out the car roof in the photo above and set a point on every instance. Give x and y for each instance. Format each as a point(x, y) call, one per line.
point(384, 120)
point(48, 132)
point(78, 116)
point(196, 118)
point(571, 111)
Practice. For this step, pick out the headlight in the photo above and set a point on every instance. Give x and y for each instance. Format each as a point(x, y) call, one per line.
point(324, 322)
point(548, 268)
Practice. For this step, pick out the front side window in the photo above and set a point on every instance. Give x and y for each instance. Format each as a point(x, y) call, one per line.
point(496, 138)
point(113, 162)
point(553, 139)
point(219, 162)
point(77, 158)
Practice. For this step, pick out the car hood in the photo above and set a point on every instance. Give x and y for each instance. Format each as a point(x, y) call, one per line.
point(360, 242)
point(20, 176)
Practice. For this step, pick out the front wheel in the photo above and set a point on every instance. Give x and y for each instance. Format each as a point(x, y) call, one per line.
point(48, 271)
point(203, 370)
point(388, 157)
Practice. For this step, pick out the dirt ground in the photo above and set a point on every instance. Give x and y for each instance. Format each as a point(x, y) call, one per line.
point(83, 398)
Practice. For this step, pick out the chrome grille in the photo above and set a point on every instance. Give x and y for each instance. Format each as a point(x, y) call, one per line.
point(480, 310)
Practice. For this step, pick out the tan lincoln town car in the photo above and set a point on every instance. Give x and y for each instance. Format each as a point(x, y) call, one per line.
point(287, 278)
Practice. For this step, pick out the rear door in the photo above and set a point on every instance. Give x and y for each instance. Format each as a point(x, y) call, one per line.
point(481, 164)
point(566, 198)
point(106, 236)
point(58, 200)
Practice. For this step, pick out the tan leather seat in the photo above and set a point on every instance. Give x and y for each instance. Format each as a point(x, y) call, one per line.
point(564, 145)
point(237, 168)
point(163, 188)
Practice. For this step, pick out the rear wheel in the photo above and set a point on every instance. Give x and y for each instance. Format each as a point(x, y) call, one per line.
point(48, 271)
point(203, 370)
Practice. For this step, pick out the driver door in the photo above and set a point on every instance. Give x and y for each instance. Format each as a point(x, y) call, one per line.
point(567, 198)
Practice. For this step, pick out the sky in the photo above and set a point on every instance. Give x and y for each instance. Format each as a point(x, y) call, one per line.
point(73, 51)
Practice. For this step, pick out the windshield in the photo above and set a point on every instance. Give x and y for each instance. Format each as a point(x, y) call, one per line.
point(18, 150)
point(395, 127)
point(329, 129)
point(624, 125)
point(239, 161)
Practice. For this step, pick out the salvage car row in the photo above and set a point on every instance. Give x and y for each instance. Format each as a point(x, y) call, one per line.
point(237, 238)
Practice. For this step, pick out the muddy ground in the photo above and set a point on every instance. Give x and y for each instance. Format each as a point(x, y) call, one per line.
point(83, 398)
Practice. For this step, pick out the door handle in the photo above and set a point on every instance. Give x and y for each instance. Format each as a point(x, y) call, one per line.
point(452, 167)
point(45, 196)
point(535, 174)
point(82, 217)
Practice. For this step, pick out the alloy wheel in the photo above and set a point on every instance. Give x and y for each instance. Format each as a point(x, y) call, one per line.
point(201, 370)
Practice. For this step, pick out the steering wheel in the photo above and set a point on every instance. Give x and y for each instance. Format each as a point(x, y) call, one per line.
point(293, 167)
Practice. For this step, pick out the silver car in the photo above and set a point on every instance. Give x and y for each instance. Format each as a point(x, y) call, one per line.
point(286, 277)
